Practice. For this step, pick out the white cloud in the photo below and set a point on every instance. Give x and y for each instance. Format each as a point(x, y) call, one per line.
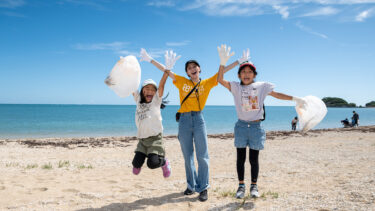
point(156, 53)
point(285, 8)
point(161, 3)
point(364, 15)
point(309, 30)
point(282, 10)
point(324, 11)
point(183, 43)
point(12, 3)
point(116, 46)
point(153, 52)
point(94, 4)
point(14, 14)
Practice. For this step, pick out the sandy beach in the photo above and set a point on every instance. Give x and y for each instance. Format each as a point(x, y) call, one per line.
point(332, 169)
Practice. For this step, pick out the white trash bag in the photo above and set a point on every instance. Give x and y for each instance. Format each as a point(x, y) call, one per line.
point(125, 76)
point(311, 114)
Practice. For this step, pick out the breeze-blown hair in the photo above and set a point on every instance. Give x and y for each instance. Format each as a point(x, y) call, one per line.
point(164, 102)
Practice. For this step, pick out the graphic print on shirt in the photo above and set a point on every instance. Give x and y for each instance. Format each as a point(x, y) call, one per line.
point(143, 111)
point(249, 99)
point(187, 88)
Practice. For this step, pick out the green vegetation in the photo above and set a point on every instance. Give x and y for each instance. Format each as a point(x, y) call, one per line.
point(64, 163)
point(31, 166)
point(83, 166)
point(370, 104)
point(227, 193)
point(12, 164)
point(47, 166)
point(337, 102)
point(274, 195)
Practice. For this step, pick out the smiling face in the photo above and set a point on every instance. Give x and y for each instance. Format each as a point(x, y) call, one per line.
point(246, 76)
point(193, 71)
point(148, 92)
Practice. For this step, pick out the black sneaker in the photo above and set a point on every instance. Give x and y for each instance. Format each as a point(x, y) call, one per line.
point(188, 192)
point(254, 191)
point(203, 196)
point(240, 192)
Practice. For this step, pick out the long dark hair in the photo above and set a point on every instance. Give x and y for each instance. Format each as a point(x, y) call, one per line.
point(164, 101)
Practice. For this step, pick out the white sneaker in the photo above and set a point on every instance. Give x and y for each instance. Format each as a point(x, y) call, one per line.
point(254, 191)
point(240, 192)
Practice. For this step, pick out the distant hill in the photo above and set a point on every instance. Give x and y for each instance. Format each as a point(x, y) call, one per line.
point(337, 102)
point(370, 104)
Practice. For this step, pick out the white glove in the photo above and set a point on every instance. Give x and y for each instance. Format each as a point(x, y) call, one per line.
point(145, 56)
point(245, 57)
point(170, 59)
point(299, 102)
point(224, 54)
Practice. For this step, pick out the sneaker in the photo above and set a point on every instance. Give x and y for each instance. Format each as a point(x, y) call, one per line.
point(136, 171)
point(188, 192)
point(240, 192)
point(254, 191)
point(203, 196)
point(166, 168)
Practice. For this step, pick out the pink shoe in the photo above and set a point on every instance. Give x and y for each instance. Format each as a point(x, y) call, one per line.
point(136, 171)
point(166, 168)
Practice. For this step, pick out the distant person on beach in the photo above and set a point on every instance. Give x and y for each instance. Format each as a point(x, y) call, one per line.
point(294, 123)
point(150, 129)
point(192, 132)
point(346, 123)
point(355, 119)
point(249, 97)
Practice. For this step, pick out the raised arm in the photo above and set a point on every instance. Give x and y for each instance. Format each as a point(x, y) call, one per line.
point(146, 57)
point(162, 83)
point(224, 54)
point(220, 78)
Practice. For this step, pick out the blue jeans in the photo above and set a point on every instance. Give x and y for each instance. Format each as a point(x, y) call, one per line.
point(192, 132)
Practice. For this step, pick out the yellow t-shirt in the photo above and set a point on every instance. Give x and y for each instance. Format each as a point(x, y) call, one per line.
point(185, 85)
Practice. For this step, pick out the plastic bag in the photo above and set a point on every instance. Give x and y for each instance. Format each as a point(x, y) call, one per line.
point(311, 114)
point(125, 76)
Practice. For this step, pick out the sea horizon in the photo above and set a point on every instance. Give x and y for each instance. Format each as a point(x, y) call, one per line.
point(19, 121)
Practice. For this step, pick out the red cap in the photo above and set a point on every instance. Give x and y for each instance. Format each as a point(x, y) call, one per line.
point(247, 64)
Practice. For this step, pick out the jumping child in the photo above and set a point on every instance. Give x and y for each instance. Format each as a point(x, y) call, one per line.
point(149, 123)
point(249, 97)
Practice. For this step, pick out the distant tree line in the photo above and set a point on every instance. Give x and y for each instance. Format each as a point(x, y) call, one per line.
point(370, 104)
point(339, 102)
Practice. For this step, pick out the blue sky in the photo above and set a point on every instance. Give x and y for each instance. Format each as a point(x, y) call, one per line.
point(60, 51)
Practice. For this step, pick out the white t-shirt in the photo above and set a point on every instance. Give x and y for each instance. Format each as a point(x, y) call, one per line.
point(148, 117)
point(249, 99)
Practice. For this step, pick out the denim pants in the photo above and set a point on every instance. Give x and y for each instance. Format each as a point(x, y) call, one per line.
point(192, 133)
point(249, 134)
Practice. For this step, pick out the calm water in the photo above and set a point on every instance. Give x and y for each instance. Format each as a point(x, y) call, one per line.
point(21, 121)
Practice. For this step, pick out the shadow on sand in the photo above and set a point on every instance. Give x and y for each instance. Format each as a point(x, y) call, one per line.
point(142, 204)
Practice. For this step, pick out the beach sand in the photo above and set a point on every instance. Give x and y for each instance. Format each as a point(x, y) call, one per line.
point(331, 169)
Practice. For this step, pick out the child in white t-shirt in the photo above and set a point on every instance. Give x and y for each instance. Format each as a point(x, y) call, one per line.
point(149, 123)
point(248, 97)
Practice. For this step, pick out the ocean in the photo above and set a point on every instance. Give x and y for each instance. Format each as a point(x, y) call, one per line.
point(44, 121)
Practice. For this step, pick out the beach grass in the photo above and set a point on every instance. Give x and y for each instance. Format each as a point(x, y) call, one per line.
point(31, 166)
point(12, 164)
point(274, 195)
point(64, 163)
point(83, 166)
point(228, 193)
point(47, 166)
